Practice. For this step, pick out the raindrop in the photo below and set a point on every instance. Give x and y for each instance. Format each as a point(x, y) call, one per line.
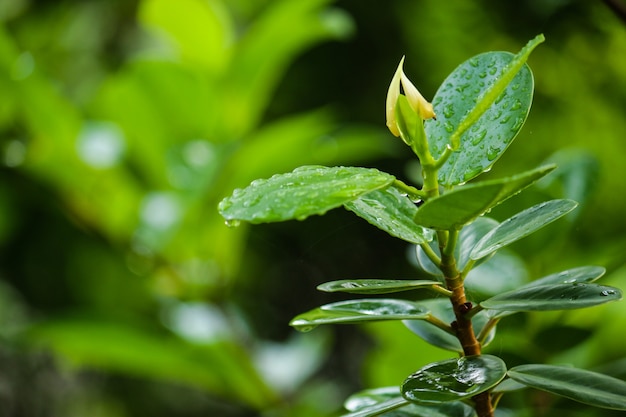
point(517, 104)
point(482, 74)
point(448, 111)
point(449, 127)
point(232, 222)
point(606, 293)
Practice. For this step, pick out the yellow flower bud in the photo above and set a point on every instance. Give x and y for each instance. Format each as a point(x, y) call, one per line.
point(417, 102)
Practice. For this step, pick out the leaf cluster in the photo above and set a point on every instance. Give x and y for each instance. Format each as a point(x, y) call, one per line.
point(480, 109)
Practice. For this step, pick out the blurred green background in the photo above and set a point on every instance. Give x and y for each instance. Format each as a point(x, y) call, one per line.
point(123, 123)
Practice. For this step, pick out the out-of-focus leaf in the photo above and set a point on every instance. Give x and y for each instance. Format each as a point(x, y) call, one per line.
point(441, 309)
point(354, 311)
point(202, 33)
point(218, 367)
point(375, 286)
point(553, 297)
point(522, 225)
point(393, 212)
point(483, 104)
point(301, 193)
point(580, 385)
point(454, 379)
point(265, 50)
point(504, 271)
point(460, 206)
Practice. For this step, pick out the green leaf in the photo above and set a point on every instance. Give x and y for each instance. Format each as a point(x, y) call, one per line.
point(373, 402)
point(460, 206)
point(504, 271)
point(553, 297)
point(454, 379)
point(580, 275)
point(480, 109)
point(306, 191)
point(441, 309)
point(354, 311)
point(393, 212)
point(375, 286)
point(522, 225)
point(579, 385)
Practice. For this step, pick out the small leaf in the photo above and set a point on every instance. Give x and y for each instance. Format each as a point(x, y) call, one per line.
point(553, 297)
point(375, 286)
point(374, 402)
point(353, 311)
point(522, 225)
point(580, 275)
point(454, 379)
point(306, 191)
point(393, 212)
point(480, 109)
point(462, 205)
point(579, 385)
point(441, 309)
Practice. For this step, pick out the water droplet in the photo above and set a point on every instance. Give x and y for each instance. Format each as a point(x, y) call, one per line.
point(482, 74)
point(479, 137)
point(517, 104)
point(449, 127)
point(606, 293)
point(505, 119)
point(519, 122)
point(232, 222)
point(473, 62)
point(448, 111)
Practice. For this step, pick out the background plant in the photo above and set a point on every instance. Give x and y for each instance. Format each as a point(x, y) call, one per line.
point(481, 106)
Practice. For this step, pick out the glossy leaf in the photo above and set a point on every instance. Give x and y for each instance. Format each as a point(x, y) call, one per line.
point(522, 225)
point(504, 271)
point(375, 286)
point(441, 309)
point(393, 212)
point(460, 206)
point(454, 379)
point(304, 192)
point(480, 109)
point(353, 311)
point(580, 385)
point(553, 297)
point(580, 275)
point(375, 401)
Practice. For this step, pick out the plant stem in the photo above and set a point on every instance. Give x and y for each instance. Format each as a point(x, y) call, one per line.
point(463, 324)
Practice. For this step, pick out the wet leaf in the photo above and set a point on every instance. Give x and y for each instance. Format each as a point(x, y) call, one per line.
point(393, 212)
point(454, 379)
point(306, 191)
point(522, 225)
point(375, 286)
point(579, 385)
point(375, 401)
point(441, 309)
point(553, 297)
point(354, 311)
point(483, 104)
point(580, 275)
point(460, 206)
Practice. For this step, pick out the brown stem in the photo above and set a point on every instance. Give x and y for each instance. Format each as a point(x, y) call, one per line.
point(463, 326)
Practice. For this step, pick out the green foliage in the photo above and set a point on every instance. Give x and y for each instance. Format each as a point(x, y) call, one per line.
point(480, 108)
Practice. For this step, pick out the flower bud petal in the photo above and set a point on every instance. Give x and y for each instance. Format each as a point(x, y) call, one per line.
point(416, 100)
point(392, 98)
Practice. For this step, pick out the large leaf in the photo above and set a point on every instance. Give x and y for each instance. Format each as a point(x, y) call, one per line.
point(306, 191)
point(441, 309)
point(375, 286)
point(522, 225)
point(460, 206)
point(480, 109)
point(579, 385)
point(375, 401)
point(454, 379)
point(354, 311)
point(393, 212)
point(580, 275)
point(553, 297)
